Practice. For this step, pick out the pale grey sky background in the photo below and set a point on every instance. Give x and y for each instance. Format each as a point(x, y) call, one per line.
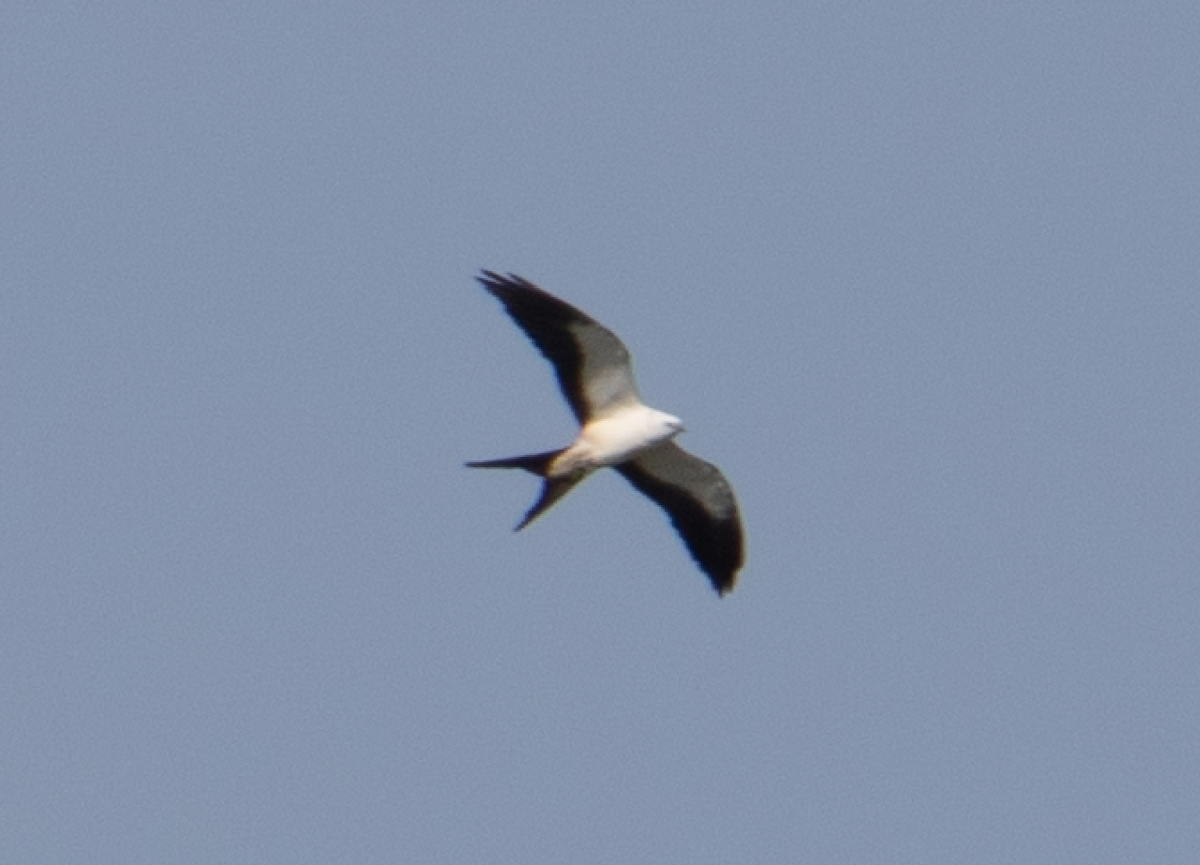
point(922, 278)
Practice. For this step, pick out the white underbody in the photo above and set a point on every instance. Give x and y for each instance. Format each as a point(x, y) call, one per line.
point(617, 437)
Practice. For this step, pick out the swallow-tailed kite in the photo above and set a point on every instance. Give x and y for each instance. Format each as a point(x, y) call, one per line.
point(616, 429)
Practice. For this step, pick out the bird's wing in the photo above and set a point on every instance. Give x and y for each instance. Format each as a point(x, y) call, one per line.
point(700, 503)
point(592, 365)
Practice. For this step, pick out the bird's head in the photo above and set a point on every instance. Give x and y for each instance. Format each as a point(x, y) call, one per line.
point(672, 425)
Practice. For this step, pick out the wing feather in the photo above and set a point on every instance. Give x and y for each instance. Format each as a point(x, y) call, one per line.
point(700, 503)
point(591, 364)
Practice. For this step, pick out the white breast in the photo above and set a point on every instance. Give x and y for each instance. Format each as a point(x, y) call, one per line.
point(625, 433)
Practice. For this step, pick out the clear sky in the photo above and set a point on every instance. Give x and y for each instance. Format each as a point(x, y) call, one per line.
point(922, 278)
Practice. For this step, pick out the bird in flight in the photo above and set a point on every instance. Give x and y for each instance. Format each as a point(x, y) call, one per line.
point(616, 429)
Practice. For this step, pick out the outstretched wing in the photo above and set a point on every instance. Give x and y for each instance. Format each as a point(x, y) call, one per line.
point(591, 363)
point(699, 502)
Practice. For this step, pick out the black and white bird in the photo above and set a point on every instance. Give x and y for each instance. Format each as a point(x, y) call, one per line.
point(617, 430)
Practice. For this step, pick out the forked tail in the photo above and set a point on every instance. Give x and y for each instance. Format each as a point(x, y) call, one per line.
point(553, 489)
point(539, 464)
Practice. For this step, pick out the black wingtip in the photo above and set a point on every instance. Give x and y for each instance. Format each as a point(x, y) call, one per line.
point(494, 282)
point(722, 582)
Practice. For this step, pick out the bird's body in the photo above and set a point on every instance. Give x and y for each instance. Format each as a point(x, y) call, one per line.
point(617, 437)
point(617, 430)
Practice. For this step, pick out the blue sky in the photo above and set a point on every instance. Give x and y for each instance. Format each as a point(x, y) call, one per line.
point(921, 278)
